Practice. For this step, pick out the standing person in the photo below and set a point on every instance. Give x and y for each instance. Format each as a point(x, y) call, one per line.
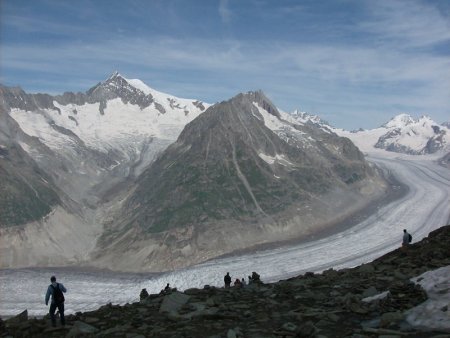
point(167, 289)
point(406, 238)
point(56, 291)
point(227, 280)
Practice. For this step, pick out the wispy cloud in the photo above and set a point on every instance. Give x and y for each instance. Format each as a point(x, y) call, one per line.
point(32, 25)
point(224, 11)
point(342, 65)
point(394, 70)
point(407, 23)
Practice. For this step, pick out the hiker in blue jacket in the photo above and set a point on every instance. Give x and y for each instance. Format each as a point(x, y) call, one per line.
point(56, 291)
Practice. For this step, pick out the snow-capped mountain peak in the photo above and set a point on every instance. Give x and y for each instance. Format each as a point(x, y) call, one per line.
point(125, 119)
point(404, 134)
point(305, 117)
point(399, 121)
point(114, 75)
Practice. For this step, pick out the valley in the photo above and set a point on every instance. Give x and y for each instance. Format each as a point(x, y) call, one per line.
point(147, 182)
point(423, 209)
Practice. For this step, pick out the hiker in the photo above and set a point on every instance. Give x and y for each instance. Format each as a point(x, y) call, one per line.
point(56, 291)
point(167, 289)
point(227, 280)
point(243, 282)
point(255, 277)
point(143, 295)
point(407, 238)
point(237, 283)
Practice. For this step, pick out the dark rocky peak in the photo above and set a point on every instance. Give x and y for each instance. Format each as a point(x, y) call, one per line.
point(227, 164)
point(117, 86)
point(237, 119)
point(16, 97)
point(72, 98)
point(261, 99)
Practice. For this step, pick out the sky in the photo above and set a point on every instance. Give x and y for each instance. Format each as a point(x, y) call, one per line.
point(355, 63)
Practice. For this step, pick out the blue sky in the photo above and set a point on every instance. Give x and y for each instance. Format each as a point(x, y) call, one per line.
point(355, 63)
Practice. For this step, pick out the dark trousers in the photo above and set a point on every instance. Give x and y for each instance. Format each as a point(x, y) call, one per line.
point(60, 307)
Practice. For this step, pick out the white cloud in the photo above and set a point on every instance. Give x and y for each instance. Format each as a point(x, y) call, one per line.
point(407, 23)
point(396, 71)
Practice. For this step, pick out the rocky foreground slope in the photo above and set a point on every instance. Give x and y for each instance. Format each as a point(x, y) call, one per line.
point(312, 305)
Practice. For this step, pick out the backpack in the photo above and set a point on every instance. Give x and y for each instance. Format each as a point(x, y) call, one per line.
point(410, 238)
point(58, 295)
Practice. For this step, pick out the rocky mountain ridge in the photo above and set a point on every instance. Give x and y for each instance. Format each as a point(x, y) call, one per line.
point(63, 157)
point(372, 300)
point(148, 182)
point(404, 134)
point(241, 174)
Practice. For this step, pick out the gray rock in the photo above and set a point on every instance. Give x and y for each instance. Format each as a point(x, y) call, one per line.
point(366, 268)
point(400, 275)
point(173, 302)
point(80, 328)
point(291, 327)
point(370, 292)
point(307, 330)
point(231, 334)
point(91, 320)
point(21, 317)
point(390, 318)
point(333, 317)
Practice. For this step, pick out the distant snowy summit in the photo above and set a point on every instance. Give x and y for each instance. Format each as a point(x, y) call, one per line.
point(404, 134)
point(305, 118)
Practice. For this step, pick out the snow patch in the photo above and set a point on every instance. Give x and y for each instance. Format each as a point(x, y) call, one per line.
point(271, 159)
point(376, 297)
point(271, 121)
point(434, 312)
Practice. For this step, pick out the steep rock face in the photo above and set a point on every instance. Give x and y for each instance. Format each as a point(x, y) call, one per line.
point(91, 142)
point(26, 192)
point(240, 174)
point(227, 164)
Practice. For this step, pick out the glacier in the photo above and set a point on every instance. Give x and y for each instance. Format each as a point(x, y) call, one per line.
point(424, 208)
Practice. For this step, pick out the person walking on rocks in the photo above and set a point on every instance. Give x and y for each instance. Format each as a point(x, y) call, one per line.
point(227, 280)
point(406, 238)
point(56, 291)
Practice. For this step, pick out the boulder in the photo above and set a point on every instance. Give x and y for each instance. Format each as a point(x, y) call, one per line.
point(173, 302)
point(21, 317)
point(389, 319)
point(80, 328)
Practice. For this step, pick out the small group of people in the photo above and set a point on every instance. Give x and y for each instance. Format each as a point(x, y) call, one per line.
point(241, 282)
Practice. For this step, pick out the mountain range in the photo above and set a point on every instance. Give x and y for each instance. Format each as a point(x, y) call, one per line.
point(404, 134)
point(128, 178)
